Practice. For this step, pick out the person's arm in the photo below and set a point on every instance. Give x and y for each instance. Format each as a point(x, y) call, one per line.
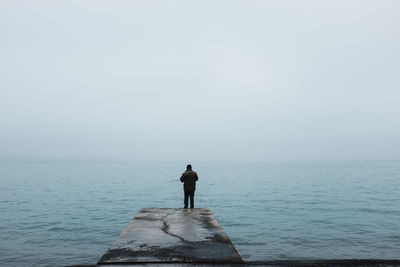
point(197, 177)
point(182, 178)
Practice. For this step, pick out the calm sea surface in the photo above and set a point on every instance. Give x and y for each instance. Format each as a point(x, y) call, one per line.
point(55, 214)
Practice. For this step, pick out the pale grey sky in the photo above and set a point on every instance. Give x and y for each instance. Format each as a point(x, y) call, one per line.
point(200, 80)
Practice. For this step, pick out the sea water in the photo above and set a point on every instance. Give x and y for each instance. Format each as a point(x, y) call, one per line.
point(64, 213)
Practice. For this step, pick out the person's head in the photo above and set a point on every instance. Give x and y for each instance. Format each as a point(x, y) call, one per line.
point(189, 167)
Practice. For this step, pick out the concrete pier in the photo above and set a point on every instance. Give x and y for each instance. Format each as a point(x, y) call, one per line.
point(172, 236)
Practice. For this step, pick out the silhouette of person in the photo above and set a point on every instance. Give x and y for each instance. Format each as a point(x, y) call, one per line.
point(189, 179)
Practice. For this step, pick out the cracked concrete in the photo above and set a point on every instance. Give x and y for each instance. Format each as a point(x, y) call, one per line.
point(172, 236)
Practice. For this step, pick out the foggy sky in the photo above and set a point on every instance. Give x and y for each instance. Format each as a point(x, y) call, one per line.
point(200, 80)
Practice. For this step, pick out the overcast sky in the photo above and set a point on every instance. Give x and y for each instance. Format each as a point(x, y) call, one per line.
point(200, 80)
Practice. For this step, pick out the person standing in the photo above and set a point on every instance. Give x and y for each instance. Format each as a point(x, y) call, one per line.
point(189, 178)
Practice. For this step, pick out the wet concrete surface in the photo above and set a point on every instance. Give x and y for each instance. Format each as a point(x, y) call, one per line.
point(172, 236)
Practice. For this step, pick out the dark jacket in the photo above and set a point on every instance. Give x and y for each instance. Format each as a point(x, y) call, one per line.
point(189, 179)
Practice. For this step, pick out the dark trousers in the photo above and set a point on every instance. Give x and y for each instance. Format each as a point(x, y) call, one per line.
point(191, 195)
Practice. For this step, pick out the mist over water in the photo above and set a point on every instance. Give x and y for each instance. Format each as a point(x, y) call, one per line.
point(253, 84)
point(55, 214)
point(210, 80)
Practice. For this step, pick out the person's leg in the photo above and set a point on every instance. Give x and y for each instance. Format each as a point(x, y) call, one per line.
point(186, 199)
point(192, 199)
